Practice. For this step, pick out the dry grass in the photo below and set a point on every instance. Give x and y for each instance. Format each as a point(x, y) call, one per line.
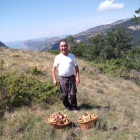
point(116, 102)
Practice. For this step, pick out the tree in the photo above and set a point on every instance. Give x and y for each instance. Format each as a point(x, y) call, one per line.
point(135, 17)
point(116, 42)
point(92, 50)
point(69, 39)
point(78, 48)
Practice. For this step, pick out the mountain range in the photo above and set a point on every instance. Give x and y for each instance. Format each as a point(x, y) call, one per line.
point(47, 43)
point(39, 45)
point(128, 24)
point(19, 44)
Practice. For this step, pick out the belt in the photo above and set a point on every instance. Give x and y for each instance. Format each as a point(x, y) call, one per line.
point(68, 77)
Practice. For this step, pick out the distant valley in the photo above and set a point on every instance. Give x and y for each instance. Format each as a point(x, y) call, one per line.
point(18, 44)
point(14, 44)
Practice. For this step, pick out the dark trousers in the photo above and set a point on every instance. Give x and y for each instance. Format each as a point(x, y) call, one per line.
point(67, 85)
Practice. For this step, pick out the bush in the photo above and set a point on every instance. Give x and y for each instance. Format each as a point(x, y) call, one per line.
point(22, 90)
point(35, 70)
point(55, 52)
point(137, 81)
point(1, 63)
point(114, 66)
point(133, 58)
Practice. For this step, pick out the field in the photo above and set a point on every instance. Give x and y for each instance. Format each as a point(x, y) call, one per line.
point(114, 100)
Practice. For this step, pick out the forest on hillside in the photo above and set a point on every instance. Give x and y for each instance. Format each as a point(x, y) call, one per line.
point(113, 53)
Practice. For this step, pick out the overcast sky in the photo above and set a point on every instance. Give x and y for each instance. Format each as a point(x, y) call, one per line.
point(29, 19)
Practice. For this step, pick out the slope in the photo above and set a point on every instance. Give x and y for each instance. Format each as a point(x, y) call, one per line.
point(2, 44)
point(116, 102)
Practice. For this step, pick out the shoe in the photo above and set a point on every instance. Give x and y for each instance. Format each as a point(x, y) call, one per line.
point(66, 109)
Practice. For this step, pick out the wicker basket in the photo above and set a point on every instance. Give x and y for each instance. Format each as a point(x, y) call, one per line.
point(57, 126)
point(85, 125)
point(94, 120)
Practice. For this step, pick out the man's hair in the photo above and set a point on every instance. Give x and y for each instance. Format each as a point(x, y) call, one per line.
point(63, 41)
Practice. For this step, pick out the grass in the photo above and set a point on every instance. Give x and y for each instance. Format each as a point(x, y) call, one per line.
point(114, 100)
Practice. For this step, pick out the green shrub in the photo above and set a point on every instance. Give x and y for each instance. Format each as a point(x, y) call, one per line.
point(137, 81)
point(23, 90)
point(55, 52)
point(83, 68)
point(1, 63)
point(133, 58)
point(35, 70)
point(114, 66)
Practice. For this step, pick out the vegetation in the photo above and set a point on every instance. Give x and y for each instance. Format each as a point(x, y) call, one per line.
point(35, 70)
point(114, 44)
point(70, 40)
point(77, 48)
point(55, 52)
point(113, 52)
point(113, 99)
point(135, 17)
point(1, 63)
point(21, 90)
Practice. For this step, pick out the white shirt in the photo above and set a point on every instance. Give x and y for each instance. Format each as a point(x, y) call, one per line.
point(65, 64)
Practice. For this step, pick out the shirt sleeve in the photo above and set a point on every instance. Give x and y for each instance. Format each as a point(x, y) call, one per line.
point(74, 61)
point(55, 62)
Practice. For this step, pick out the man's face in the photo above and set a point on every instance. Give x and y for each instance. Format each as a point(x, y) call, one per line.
point(63, 47)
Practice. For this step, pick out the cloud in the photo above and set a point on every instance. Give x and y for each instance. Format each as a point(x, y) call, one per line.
point(82, 27)
point(108, 5)
point(61, 30)
point(137, 15)
point(50, 32)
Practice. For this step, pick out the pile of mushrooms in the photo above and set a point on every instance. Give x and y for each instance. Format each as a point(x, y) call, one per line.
point(86, 117)
point(58, 118)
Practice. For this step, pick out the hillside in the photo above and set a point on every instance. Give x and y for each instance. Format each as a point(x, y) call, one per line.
point(52, 46)
point(128, 24)
point(96, 30)
point(2, 44)
point(38, 45)
point(114, 100)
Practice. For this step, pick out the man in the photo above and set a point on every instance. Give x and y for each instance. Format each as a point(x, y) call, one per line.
point(65, 62)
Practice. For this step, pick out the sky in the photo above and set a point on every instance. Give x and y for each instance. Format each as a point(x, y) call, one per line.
point(30, 19)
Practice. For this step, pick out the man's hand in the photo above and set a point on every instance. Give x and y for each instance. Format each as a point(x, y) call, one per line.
point(53, 74)
point(77, 75)
point(77, 81)
point(55, 82)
